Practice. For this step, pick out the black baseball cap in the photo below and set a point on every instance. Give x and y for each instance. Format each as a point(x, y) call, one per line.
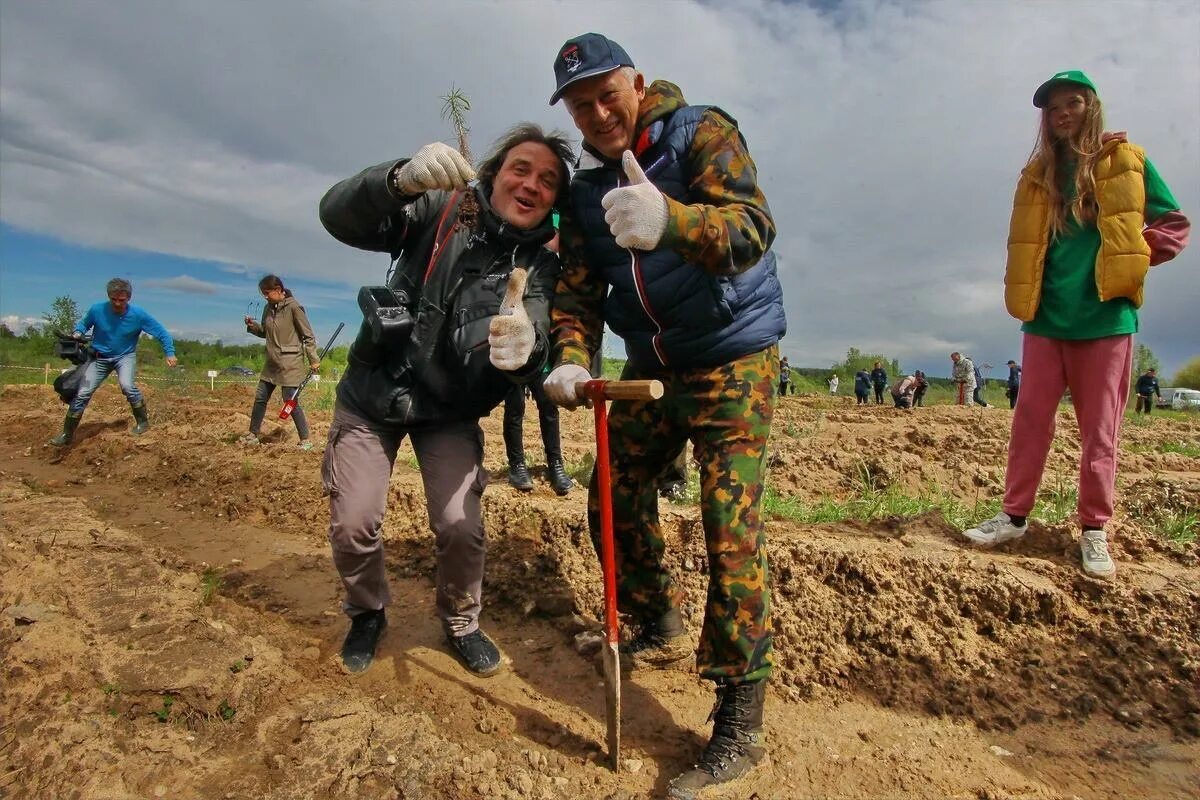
point(584, 57)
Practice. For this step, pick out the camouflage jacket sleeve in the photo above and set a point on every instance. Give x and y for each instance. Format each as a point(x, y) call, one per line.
point(577, 317)
point(727, 226)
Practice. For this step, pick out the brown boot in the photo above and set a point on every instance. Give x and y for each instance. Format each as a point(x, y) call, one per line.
point(661, 644)
point(737, 743)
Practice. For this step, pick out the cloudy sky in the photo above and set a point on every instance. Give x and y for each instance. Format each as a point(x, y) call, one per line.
point(185, 145)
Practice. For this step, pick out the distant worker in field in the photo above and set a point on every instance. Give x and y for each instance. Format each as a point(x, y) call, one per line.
point(862, 387)
point(1147, 384)
point(833, 383)
point(1090, 217)
point(669, 243)
point(785, 377)
point(879, 380)
point(922, 387)
point(903, 391)
point(514, 439)
point(1014, 383)
point(291, 352)
point(980, 385)
point(964, 377)
point(454, 345)
point(116, 326)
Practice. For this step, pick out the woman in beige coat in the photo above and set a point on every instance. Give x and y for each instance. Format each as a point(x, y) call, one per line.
point(290, 344)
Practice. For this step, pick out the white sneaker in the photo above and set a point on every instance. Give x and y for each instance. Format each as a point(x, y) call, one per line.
point(1097, 563)
point(998, 529)
point(249, 438)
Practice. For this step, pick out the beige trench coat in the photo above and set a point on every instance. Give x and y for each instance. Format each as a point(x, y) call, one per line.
point(291, 345)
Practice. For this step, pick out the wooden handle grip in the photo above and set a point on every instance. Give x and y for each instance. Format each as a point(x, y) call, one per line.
point(625, 390)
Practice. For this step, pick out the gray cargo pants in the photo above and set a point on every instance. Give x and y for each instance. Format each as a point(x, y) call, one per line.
point(355, 474)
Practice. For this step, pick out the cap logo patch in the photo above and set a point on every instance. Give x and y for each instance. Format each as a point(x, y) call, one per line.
point(570, 57)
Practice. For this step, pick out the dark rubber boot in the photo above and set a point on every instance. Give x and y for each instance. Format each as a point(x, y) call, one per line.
point(737, 743)
point(518, 476)
point(68, 432)
point(559, 479)
point(141, 418)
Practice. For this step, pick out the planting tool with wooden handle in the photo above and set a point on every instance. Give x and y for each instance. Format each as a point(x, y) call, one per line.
point(290, 405)
point(599, 392)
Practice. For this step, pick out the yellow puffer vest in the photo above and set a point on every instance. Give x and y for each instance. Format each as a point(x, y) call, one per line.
point(1124, 256)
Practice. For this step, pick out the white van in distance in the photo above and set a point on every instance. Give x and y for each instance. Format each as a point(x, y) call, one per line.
point(1179, 399)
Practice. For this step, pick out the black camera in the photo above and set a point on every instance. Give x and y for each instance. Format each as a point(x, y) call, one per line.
point(388, 313)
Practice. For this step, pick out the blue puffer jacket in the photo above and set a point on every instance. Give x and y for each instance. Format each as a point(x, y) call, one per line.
point(669, 312)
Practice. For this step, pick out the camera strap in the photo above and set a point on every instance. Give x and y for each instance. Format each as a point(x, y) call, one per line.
point(440, 239)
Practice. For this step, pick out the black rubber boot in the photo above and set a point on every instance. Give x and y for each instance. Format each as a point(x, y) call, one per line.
point(559, 479)
point(70, 423)
point(518, 476)
point(737, 743)
point(141, 418)
point(660, 644)
point(366, 629)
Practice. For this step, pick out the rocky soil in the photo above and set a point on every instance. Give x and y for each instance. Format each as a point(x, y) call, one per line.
point(170, 623)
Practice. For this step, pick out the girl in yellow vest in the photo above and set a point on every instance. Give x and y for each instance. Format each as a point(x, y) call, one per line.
point(1090, 217)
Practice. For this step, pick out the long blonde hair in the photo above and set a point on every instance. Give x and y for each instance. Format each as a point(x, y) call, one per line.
point(1053, 156)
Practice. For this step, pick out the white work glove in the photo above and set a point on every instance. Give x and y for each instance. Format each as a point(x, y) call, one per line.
point(435, 166)
point(636, 214)
point(563, 385)
point(510, 333)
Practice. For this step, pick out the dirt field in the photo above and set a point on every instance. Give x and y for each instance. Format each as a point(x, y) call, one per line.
point(911, 666)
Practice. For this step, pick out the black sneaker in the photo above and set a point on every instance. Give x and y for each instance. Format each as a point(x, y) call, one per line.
point(366, 629)
point(477, 652)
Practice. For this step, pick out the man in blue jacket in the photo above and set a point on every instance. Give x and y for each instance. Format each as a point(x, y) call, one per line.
point(667, 241)
point(116, 326)
point(1147, 384)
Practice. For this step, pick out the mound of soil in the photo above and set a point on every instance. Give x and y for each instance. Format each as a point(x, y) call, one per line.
point(171, 623)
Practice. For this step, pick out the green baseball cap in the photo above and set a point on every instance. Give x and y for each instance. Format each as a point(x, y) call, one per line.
point(1074, 76)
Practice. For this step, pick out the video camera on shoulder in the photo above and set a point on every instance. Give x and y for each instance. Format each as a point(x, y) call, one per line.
point(388, 313)
point(75, 350)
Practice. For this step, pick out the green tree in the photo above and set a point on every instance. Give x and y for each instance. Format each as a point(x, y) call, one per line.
point(62, 316)
point(1188, 376)
point(1144, 359)
point(856, 360)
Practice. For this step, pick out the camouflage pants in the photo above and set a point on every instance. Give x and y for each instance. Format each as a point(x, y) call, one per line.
point(726, 413)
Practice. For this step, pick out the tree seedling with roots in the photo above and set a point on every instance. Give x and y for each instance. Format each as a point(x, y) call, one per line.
point(455, 106)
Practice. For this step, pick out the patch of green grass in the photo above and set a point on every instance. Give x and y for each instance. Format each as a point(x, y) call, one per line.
point(1180, 527)
point(1189, 449)
point(247, 469)
point(110, 689)
point(164, 713)
point(210, 585)
point(237, 666)
point(1057, 502)
point(225, 710)
point(581, 470)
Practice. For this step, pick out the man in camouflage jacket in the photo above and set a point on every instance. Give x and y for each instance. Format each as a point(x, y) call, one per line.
point(667, 241)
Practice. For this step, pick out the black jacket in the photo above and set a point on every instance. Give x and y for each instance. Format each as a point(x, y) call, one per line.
point(443, 372)
point(1147, 384)
point(879, 376)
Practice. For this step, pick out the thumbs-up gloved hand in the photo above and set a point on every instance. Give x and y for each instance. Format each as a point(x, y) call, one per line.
point(636, 214)
point(562, 384)
point(435, 166)
point(510, 333)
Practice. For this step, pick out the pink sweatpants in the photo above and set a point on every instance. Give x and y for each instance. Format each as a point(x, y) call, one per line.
point(1097, 373)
